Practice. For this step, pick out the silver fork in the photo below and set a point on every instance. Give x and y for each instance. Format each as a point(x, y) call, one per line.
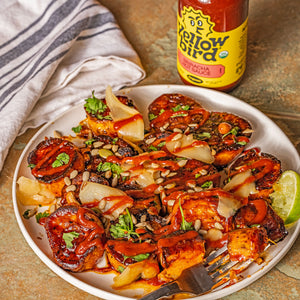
point(200, 278)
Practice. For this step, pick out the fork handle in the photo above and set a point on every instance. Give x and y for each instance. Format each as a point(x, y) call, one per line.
point(165, 290)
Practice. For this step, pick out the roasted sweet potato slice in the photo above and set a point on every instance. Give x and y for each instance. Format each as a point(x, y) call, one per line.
point(178, 252)
point(247, 243)
point(76, 237)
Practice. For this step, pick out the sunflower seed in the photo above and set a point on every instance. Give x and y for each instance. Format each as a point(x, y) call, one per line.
point(114, 148)
point(95, 152)
point(182, 163)
point(170, 186)
point(108, 174)
point(67, 181)
point(71, 188)
point(114, 181)
point(150, 141)
point(177, 130)
point(165, 173)
point(171, 202)
point(172, 174)
point(143, 218)
point(159, 180)
point(166, 125)
point(97, 144)
point(107, 146)
point(197, 225)
point(85, 176)
point(73, 174)
point(219, 226)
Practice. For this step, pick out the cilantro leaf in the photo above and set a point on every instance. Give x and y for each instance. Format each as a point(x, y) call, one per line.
point(184, 224)
point(206, 184)
point(202, 136)
point(77, 128)
point(108, 166)
point(31, 166)
point(138, 257)
point(179, 107)
point(61, 159)
point(124, 227)
point(68, 237)
point(152, 148)
point(40, 215)
point(152, 117)
point(234, 131)
point(89, 142)
point(94, 105)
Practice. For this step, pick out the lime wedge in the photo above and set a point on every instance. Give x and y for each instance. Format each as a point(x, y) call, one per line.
point(286, 197)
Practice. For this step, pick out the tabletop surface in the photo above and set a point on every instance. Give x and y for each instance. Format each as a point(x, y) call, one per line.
point(271, 84)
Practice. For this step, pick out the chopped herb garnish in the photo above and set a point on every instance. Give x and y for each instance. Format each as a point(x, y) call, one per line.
point(179, 115)
point(31, 166)
point(120, 269)
point(161, 144)
point(138, 257)
point(197, 175)
point(95, 106)
point(234, 131)
point(179, 107)
point(40, 215)
point(242, 143)
point(124, 228)
point(184, 224)
point(89, 142)
point(108, 166)
point(152, 117)
point(206, 184)
point(61, 159)
point(202, 136)
point(77, 129)
point(115, 140)
point(152, 148)
point(68, 237)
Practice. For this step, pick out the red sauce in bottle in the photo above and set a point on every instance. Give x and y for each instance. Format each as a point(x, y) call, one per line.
point(211, 42)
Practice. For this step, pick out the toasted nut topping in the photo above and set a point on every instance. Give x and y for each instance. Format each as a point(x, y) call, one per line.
point(107, 146)
point(154, 165)
point(197, 225)
point(191, 185)
point(97, 144)
point(172, 174)
point(142, 224)
point(67, 181)
point(159, 189)
point(219, 226)
point(248, 130)
point(159, 180)
point(71, 188)
point(198, 189)
point(134, 221)
point(94, 152)
point(177, 130)
point(114, 181)
point(170, 186)
point(203, 172)
point(182, 163)
point(161, 129)
point(85, 176)
point(143, 218)
point(150, 141)
point(73, 174)
point(202, 232)
point(108, 174)
point(165, 173)
point(213, 152)
point(165, 126)
point(191, 191)
point(193, 125)
point(149, 227)
point(114, 148)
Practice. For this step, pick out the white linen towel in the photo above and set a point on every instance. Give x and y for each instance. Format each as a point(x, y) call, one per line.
point(53, 54)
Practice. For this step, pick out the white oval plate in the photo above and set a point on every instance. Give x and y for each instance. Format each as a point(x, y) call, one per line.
point(267, 135)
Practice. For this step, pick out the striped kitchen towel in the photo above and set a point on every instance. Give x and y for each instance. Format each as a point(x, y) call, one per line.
point(53, 54)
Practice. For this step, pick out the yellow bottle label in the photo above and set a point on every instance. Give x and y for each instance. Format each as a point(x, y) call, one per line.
point(206, 57)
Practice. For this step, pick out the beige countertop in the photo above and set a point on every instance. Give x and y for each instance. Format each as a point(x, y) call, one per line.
point(271, 84)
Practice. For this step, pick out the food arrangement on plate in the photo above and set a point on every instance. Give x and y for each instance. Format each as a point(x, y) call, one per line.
point(154, 201)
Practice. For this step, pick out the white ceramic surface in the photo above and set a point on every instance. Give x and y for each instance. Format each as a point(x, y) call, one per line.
point(267, 135)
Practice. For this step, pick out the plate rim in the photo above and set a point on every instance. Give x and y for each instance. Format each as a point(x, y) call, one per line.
point(113, 296)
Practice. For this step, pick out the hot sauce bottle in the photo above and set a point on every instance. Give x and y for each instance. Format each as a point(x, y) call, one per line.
point(212, 42)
